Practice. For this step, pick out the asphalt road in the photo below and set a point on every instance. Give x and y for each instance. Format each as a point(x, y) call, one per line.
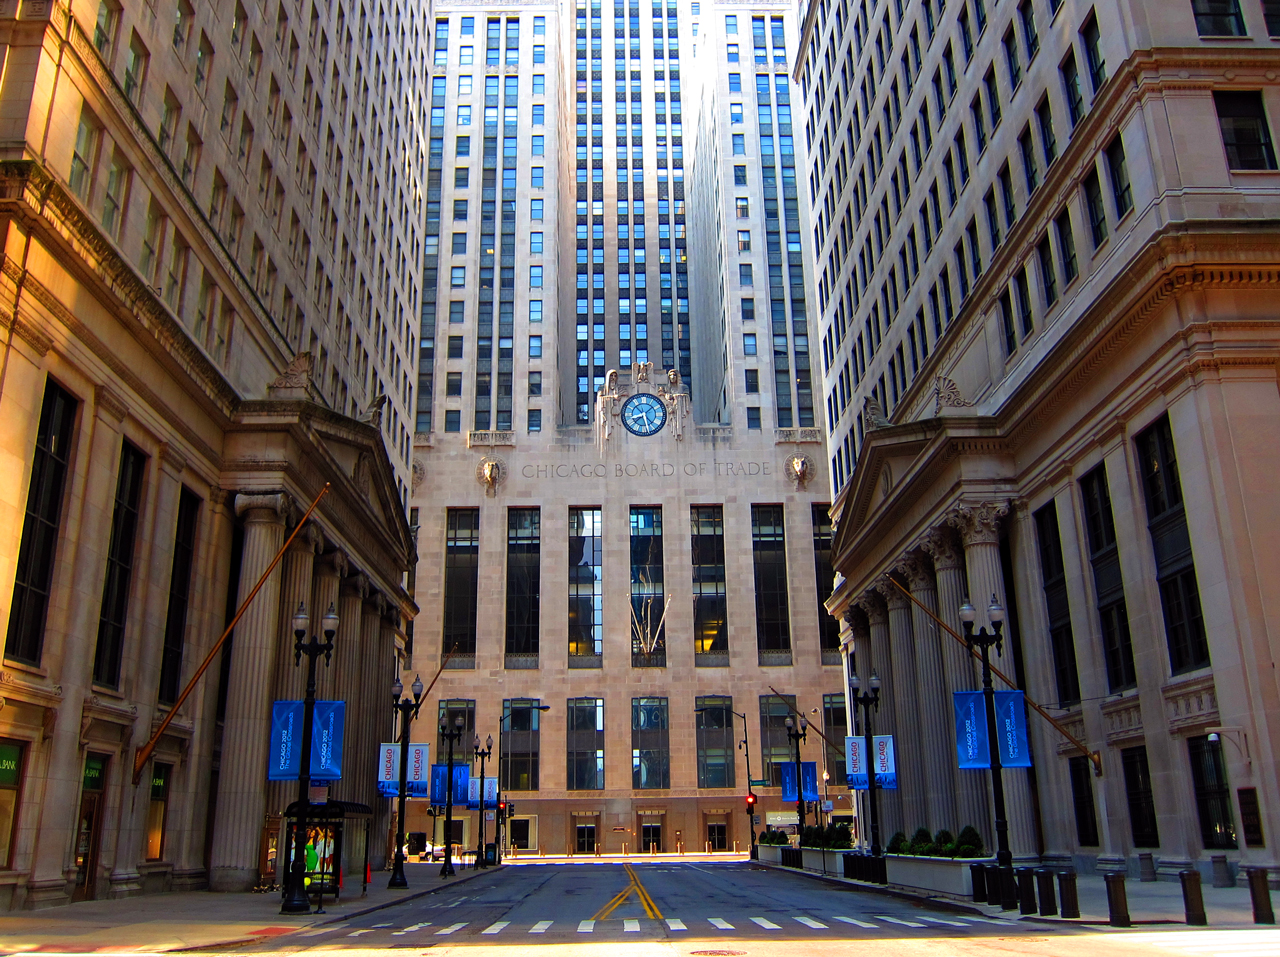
point(670, 909)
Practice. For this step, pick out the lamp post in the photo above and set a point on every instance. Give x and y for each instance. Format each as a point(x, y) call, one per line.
point(407, 710)
point(452, 736)
point(795, 737)
point(483, 754)
point(745, 745)
point(506, 717)
point(870, 701)
point(984, 639)
point(296, 900)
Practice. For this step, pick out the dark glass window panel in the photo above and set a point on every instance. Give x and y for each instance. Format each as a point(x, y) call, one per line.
point(1245, 132)
point(115, 590)
point(34, 575)
point(835, 726)
point(461, 572)
point(1251, 817)
point(648, 603)
point(775, 748)
point(824, 573)
point(650, 744)
point(448, 711)
point(715, 741)
point(175, 627)
point(1142, 805)
point(524, 555)
point(710, 608)
point(519, 745)
point(1081, 772)
point(1213, 794)
point(586, 584)
point(1053, 575)
point(584, 742)
point(768, 542)
point(1218, 18)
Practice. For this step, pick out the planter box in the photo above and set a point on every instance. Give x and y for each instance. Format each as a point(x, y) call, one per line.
point(769, 853)
point(937, 875)
point(813, 860)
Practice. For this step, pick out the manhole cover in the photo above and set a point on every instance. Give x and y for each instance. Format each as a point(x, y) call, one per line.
point(717, 953)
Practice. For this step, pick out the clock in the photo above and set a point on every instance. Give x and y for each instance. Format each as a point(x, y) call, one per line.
point(644, 414)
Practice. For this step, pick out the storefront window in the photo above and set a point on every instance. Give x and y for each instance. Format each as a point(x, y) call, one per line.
point(10, 787)
point(158, 812)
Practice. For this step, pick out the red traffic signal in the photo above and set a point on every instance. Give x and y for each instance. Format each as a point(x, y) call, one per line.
point(751, 800)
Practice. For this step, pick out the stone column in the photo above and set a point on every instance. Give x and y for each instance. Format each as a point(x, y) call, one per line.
point(375, 702)
point(243, 776)
point(329, 570)
point(348, 672)
point(876, 659)
point(851, 630)
point(383, 674)
point(291, 677)
point(937, 728)
point(906, 705)
point(958, 668)
point(979, 527)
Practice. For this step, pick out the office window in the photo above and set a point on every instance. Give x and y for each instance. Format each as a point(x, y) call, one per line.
point(1053, 578)
point(775, 749)
point(462, 147)
point(459, 210)
point(1245, 133)
point(115, 589)
point(739, 144)
point(715, 741)
point(1097, 212)
point(457, 313)
point(41, 527)
point(539, 145)
point(1142, 805)
point(452, 420)
point(753, 417)
point(769, 555)
point(447, 712)
point(731, 52)
point(648, 607)
point(1213, 794)
point(1030, 171)
point(458, 248)
point(1081, 773)
point(535, 209)
point(752, 381)
point(1093, 54)
point(158, 810)
point(534, 420)
point(453, 384)
point(535, 243)
point(535, 383)
point(1218, 18)
point(586, 584)
point(739, 176)
point(520, 745)
point(175, 626)
point(749, 343)
point(710, 612)
point(650, 744)
point(535, 307)
point(825, 577)
point(461, 177)
point(1121, 192)
point(746, 275)
point(1048, 142)
point(461, 569)
point(1066, 246)
point(539, 84)
point(1048, 277)
point(524, 555)
point(1108, 585)
point(535, 347)
point(535, 277)
point(466, 55)
point(1171, 542)
point(1070, 74)
point(584, 743)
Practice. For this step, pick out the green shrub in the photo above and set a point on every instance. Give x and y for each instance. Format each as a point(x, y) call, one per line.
point(969, 841)
point(896, 844)
point(943, 837)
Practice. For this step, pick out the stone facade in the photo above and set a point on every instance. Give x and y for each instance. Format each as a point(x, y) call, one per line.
point(1068, 403)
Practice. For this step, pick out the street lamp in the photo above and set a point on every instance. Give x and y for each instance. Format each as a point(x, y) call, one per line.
point(407, 710)
point(296, 900)
point(496, 830)
point(795, 737)
point(452, 736)
point(745, 745)
point(984, 639)
point(870, 701)
point(483, 754)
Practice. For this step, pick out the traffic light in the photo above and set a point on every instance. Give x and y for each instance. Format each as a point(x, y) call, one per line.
point(511, 809)
point(751, 802)
point(502, 810)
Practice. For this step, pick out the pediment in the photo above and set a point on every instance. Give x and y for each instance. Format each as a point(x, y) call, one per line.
point(887, 457)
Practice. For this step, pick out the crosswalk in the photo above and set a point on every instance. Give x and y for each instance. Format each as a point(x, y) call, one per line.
point(634, 925)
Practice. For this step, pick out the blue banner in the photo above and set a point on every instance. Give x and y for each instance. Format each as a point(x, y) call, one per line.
point(972, 748)
point(789, 793)
point(326, 740)
point(461, 779)
point(285, 755)
point(1011, 725)
point(809, 780)
point(883, 763)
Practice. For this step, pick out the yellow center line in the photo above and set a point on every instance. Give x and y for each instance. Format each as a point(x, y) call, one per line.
point(649, 906)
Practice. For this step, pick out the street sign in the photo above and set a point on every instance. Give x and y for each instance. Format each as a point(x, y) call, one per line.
point(827, 806)
point(760, 784)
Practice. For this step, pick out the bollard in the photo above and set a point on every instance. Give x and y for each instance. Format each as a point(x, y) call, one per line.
point(993, 883)
point(1044, 885)
point(1026, 890)
point(1222, 871)
point(1192, 898)
point(1067, 894)
point(1147, 868)
point(978, 874)
point(1117, 901)
point(1008, 888)
point(1260, 892)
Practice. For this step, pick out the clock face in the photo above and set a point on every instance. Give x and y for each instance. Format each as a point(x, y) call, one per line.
point(644, 414)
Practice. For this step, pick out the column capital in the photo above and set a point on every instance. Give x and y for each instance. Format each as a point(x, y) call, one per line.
point(269, 507)
point(893, 598)
point(857, 626)
point(917, 572)
point(334, 563)
point(873, 607)
point(310, 539)
point(939, 543)
point(978, 524)
point(357, 586)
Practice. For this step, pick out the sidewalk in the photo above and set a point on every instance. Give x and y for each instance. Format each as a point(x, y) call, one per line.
point(155, 923)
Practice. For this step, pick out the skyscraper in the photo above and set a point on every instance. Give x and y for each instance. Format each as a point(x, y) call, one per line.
point(621, 512)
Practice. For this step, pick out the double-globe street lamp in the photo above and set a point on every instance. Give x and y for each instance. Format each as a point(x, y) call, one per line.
point(796, 736)
point(296, 899)
point(984, 640)
point(483, 754)
point(870, 701)
point(452, 736)
point(407, 710)
point(745, 745)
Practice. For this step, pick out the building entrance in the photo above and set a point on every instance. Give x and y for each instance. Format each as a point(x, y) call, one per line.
point(89, 827)
point(651, 837)
point(586, 838)
point(718, 836)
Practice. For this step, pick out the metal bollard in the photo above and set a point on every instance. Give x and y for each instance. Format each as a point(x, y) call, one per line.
point(1067, 894)
point(1117, 901)
point(1260, 892)
point(978, 874)
point(1026, 890)
point(993, 883)
point(1044, 885)
point(1192, 898)
point(1008, 888)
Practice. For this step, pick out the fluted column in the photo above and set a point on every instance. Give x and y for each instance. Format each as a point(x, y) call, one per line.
point(329, 569)
point(384, 673)
point(347, 673)
point(938, 738)
point(375, 695)
point(958, 669)
point(247, 727)
point(876, 659)
point(291, 677)
point(904, 700)
point(979, 527)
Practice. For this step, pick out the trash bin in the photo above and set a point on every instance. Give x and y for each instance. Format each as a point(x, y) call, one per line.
point(491, 854)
